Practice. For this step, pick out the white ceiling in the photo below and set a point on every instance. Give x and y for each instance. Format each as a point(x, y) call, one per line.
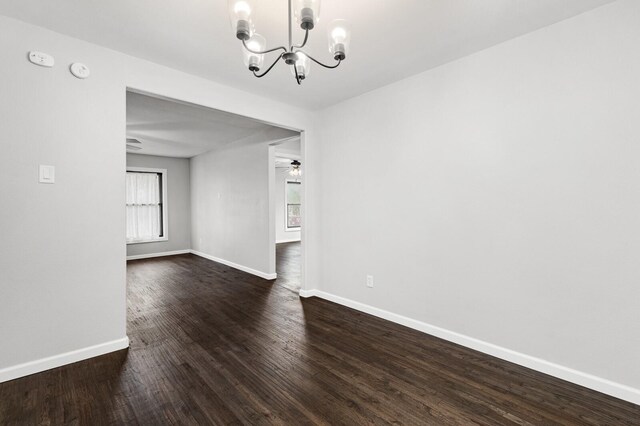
point(283, 162)
point(290, 147)
point(391, 39)
point(175, 129)
point(288, 151)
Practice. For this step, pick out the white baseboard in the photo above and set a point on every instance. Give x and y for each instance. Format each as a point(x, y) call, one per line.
point(206, 256)
point(590, 381)
point(260, 274)
point(308, 293)
point(292, 240)
point(165, 253)
point(32, 367)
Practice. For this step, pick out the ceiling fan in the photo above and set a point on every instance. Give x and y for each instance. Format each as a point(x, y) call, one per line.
point(294, 166)
point(283, 163)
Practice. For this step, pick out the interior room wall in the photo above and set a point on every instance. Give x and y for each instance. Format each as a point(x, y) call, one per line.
point(282, 234)
point(513, 195)
point(63, 251)
point(497, 196)
point(178, 204)
point(231, 217)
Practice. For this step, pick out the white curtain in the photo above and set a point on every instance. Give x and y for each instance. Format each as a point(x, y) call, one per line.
point(143, 206)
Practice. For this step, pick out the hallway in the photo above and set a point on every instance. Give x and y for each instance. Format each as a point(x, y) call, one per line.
point(288, 265)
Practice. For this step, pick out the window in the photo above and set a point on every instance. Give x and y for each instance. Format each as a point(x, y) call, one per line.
point(293, 201)
point(146, 209)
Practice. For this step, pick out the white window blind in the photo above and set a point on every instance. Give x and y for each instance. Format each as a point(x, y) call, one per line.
point(144, 206)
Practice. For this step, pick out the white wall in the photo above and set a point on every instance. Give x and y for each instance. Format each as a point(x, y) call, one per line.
point(178, 204)
point(518, 164)
point(498, 196)
point(62, 252)
point(231, 215)
point(282, 234)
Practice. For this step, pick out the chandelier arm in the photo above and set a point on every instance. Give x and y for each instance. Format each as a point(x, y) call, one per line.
point(266, 51)
point(320, 63)
point(270, 68)
point(304, 42)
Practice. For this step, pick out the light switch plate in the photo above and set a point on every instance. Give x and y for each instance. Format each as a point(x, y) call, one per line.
point(47, 174)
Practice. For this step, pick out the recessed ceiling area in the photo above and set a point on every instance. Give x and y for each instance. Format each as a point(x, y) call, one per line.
point(175, 129)
point(391, 39)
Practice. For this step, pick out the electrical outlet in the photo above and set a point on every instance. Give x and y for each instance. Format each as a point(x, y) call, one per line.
point(370, 281)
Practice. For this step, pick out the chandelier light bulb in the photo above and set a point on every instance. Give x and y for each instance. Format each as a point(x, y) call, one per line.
point(307, 13)
point(302, 65)
point(339, 39)
point(338, 34)
point(242, 9)
point(240, 15)
point(254, 61)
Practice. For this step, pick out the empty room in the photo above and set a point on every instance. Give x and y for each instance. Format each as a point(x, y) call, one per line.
point(420, 212)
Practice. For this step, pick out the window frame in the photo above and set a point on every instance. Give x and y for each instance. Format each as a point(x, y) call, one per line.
point(286, 205)
point(165, 214)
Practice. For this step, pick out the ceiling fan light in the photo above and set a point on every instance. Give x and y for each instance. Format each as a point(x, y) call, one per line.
point(307, 13)
point(240, 16)
point(339, 38)
point(254, 61)
point(295, 171)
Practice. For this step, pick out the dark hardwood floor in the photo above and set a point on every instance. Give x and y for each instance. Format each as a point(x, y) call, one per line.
point(288, 265)
point(212, 345)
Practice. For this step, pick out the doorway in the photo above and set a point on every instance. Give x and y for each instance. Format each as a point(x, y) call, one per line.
point(220, 207)
point(288, 212)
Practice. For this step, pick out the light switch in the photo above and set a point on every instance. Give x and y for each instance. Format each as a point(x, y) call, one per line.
point(47, 174)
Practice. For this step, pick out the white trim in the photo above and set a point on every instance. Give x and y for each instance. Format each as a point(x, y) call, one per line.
point(145, 169)
point(165, 202)
point(32, 367)
point(292, 240)
point(154, 240)
point(260, 274)
point(308, 293)
point(164, 253)
point(273, 195)
point(590, 381)
point(304, 232)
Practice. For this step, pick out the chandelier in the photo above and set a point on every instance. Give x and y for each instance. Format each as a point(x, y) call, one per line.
point(307, 13)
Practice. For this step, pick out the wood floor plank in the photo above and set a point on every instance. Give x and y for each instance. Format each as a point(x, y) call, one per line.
point(213, 345)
